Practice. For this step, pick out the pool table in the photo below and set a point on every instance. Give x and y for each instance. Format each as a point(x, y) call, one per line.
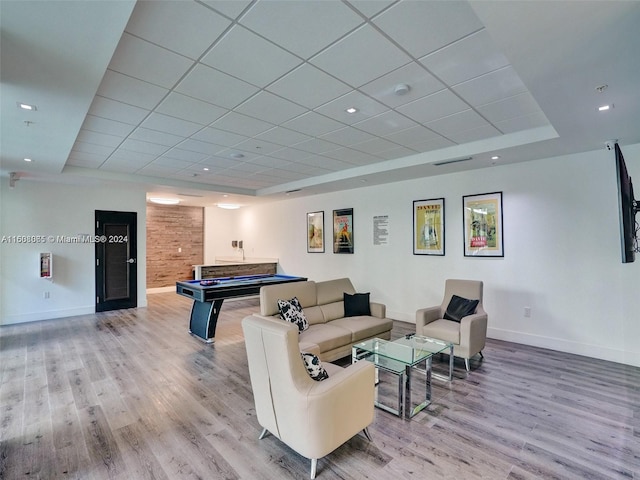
point(208, 295)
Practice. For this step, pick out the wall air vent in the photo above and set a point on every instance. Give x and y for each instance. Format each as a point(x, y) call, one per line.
point(293, 191)
point(455, 160)
point(189, 195)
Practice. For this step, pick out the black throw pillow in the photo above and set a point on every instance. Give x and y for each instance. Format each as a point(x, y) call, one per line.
point(460, 307)
point(356, 304)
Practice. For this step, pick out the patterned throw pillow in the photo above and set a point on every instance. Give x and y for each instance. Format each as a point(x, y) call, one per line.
point(314, 367)
point(291, 311)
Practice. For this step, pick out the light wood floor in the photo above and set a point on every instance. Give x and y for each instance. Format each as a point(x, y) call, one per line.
point(130, 395)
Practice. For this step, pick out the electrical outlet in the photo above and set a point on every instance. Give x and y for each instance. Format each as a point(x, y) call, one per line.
point(46, 295)
point(527, 312)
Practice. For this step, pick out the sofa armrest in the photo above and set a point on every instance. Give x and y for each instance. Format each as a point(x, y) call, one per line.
point(378, 310)
point(308, 347)
point(425, 316)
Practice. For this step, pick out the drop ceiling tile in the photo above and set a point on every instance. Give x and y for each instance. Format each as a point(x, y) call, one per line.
point(465, 59)
point(369, 8)
point(188, 28)
point(309, 86)
point(525, 122)
point(352, 156)
point(129, 90)
point(270, 108)
point(290, 154)
point(361, 57)
point(366, 107)
point(92, 148)
point(385, 124)
point(247, 56)
point(179, 154)
point(148, 62)
point(432, 107)
point(375, 146)
point(154, 136)
point(309, 170)
point(327, 163)
point(237, 155)
point(423, 27)
point(228, 92)
point(491, 87)
point(157, 171)
point(241, 124)
point(215, 161)
point(283, 136)
point(516, 106)
point(412, 135)
point(347, 136)
point(84, 159)
point(397, 152)
point(271, 162)
point(131, 157)
point(257, 147)
point(432, 144)
point(474, 134)
point(87, 136)
point(303, 28)
point(117, 111)
point(420, 82)
point(316, 145)
point(106, 126)
point(201, 147)
point(187, 108)
point(219, 137)
point(142, 147)
point(119, 167)
point(173, 125)
point(225, 7)
point(313, 124)
point(457, 122)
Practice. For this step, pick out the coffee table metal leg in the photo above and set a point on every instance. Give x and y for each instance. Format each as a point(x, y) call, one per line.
point(451, 363)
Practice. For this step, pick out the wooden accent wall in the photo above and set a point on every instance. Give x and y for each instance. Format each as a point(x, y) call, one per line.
point(169, 228)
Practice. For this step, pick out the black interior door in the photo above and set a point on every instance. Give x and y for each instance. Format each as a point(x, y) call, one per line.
point(116, 260)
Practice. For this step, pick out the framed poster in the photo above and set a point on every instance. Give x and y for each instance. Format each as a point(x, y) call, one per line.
point(315, 232)
point(428, 227)
point(483, 225)
point(343, 230)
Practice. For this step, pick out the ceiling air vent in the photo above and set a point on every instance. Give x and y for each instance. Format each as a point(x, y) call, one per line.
point(455, 160)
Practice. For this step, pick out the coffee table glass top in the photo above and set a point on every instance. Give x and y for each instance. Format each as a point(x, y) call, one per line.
point(408, 351)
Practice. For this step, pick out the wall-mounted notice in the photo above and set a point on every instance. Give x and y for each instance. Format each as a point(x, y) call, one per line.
point(381, 229)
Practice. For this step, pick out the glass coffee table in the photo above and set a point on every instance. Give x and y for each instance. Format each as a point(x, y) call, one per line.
point(400, 357)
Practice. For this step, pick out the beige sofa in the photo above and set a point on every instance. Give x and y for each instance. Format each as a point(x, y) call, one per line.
point(323, 306)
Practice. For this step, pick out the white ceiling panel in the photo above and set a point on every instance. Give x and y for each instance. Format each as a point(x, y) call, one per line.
point(491, 87)
point(131, 91)
point(474, 134)
point(154, 136)
point(219, 137)
point(309, 86)
point(303, 28)
point(347, 136)
point(201, 147)
point(96, 138)
point(369, 8)
point(465, 59)
point(270, 108)
point(124, 156)
point(247, 56)
point(179, 154)
point(106, 126)
point(290, 154)
point(165, 123)
point(192, 29)
point(396, 153)
point(188, 108)
point(316, 145)
point(516, 106)
point(422, 27)
point(92, 148)
point(375, 146)
point(215, 87)
point(313, 124)
point(271, 162)
point(457, 122)
point(143, 60)
point(412, 135)
point(361, 57)
point(432, 107)
point(117, 111)
point(241, 124)
point(283, 136)
point(432, 144)
point(228, 8)
point(354, 157)
point(257, 147)
point(385, 123)
point(366, 107)
point(85, 159)
point(525, 122)
point(142, 147)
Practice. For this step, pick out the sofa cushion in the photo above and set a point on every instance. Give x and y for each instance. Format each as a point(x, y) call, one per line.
point(356, 304)
point(331, 291)
point(291, 311)
point(363, 327)
point(459, 308)
point(327, 336)
point(314, 367)
point(331, 311)
point(446, 330)
point(305, 292)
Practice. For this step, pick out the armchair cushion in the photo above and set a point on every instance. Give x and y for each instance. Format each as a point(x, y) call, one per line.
point(291, 311)
point(314, 366)
point(460, 307)
point(356, 304)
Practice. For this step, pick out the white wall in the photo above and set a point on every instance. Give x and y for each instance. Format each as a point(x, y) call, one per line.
point(37, 208)
point(561, 244)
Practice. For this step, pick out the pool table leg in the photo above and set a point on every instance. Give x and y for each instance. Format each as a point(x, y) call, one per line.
point(204, 318)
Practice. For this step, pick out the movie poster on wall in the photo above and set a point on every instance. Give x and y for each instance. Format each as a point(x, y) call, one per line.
point(483, 225)
point(428, 227)
point(343, 230)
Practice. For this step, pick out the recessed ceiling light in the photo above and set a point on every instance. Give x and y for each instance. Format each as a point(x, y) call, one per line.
point(229, 206)
point(495, 157)
point(351, 110)
point(164, 201)
point(28, 160)
point(26, 106)
point(604, 108)
point(205, 169)
point(402, 89)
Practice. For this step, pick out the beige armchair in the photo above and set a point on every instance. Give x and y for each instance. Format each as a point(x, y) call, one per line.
point(468, 336)
point(312, 417)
